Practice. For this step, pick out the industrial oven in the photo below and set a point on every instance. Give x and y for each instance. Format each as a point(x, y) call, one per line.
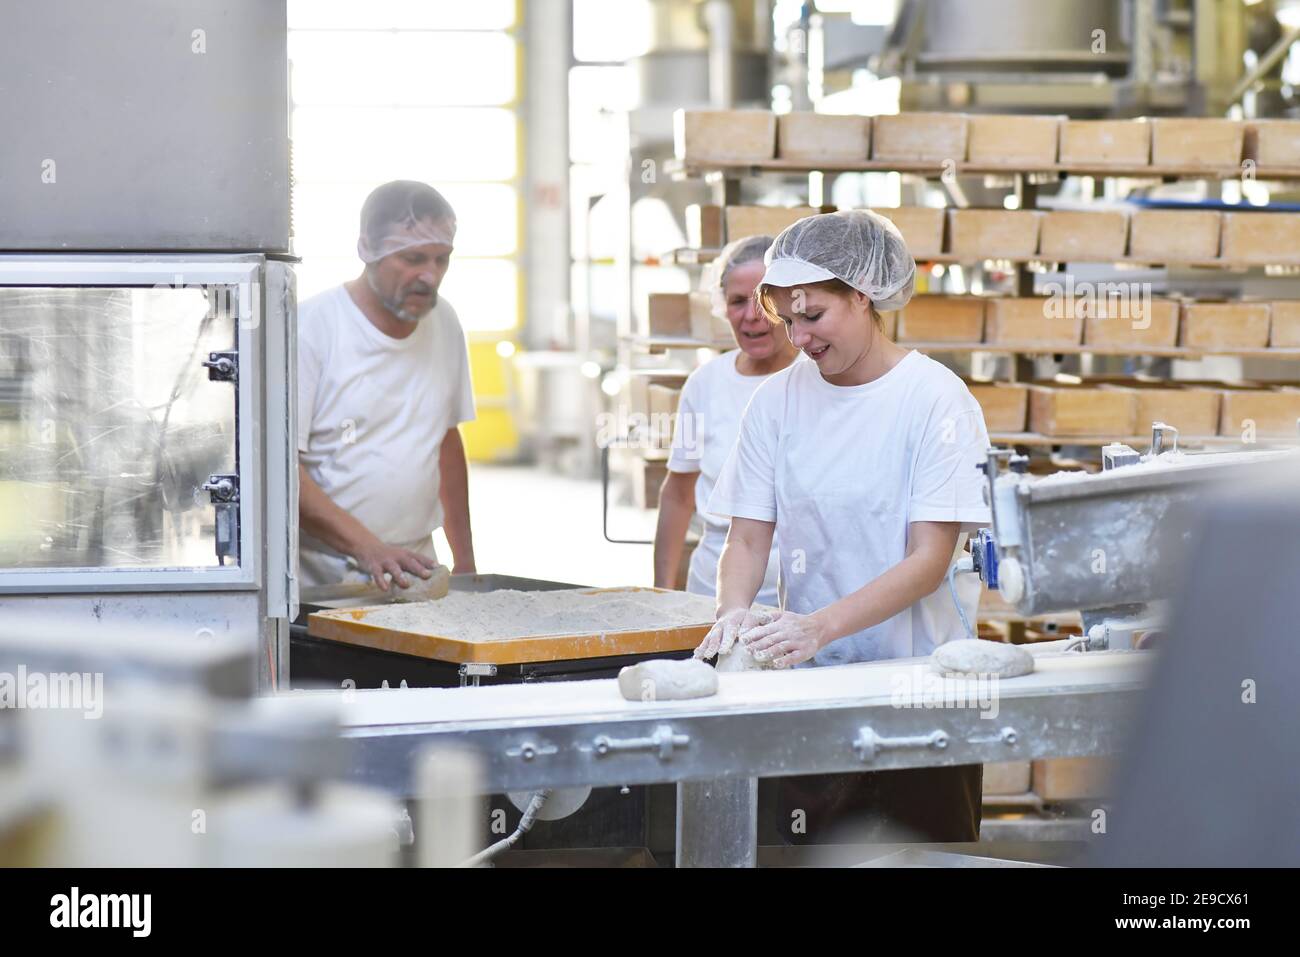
point(147, 478)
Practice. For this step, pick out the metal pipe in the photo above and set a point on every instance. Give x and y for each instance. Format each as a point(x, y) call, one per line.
point(535, 805)
point(717, 823)
point(1265, 64)
point(721, 21)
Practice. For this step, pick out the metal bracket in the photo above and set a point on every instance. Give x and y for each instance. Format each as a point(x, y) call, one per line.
point(868, 742)
point(1007, 736)
point(224, 492)
point(527, 751)
point(662, 740)
point(472, 671)
point(224, 488)
point(222, 366)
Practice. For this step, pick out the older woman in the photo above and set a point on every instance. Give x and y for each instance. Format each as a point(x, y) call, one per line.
point(708, 420)
point(862, 462)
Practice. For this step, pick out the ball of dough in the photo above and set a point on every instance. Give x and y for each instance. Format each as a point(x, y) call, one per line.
point(740, 658)
point(975, 656)
point(667, 679)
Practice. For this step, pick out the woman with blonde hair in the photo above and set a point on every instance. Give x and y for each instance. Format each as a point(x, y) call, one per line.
point(862, 464)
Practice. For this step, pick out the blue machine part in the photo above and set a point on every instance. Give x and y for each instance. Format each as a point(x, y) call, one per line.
point(984, 554)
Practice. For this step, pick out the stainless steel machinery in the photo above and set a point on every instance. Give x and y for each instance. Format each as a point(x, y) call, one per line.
point(146, 446)
point(1113, 544)
point(146, 324)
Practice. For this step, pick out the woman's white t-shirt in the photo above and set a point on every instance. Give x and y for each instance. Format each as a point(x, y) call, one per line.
point(708, 420)
point(842, 471)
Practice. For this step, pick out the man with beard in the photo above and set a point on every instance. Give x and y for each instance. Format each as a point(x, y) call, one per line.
point(383, 383)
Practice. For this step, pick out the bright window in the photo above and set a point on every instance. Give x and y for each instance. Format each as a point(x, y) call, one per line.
point(390, 89)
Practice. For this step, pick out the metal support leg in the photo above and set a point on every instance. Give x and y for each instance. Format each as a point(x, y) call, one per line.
point(717, 823)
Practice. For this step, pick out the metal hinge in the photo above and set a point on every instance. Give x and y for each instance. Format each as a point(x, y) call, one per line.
point(222, 366)
point(661, 740)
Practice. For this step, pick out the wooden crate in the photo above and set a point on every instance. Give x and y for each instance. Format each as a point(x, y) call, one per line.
point(647, 478)
point(1267, 413)
point(921, 226)
point(1261, 238)
point(823, 138)
point(1194, 412)
point(978, 234)
point(706, 327)
point(1005, 405)
point(1273, 144)
point(1068, 779)
point(929, 318)
point(919, 138)
point(1074, 236)
point(1196, 142)
point(745, 221)
point(1031, 323)
point(1102, 143)
point(663, 414)
point(724, 136)
point(1006, 777)
point(635, 395)
point(706, 226)
point(1139, 323)
point(1016, 142)
point(1078, 411)
point(1285, 328)
point(1225, 326)
point(1174, 235)
point(669, 314)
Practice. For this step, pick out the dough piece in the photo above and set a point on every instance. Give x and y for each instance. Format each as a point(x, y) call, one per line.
point(975, 656)
point(740, 658)
point(667, 679)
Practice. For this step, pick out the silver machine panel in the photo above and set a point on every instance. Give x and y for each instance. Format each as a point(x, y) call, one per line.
point(156, 125)
point(147, 463)
point(1071, 542)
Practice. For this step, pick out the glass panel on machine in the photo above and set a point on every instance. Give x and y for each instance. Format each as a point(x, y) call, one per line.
point(110, 426)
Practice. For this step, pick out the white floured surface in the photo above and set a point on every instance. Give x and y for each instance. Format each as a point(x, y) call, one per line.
point(591, 700)
point(498, 615)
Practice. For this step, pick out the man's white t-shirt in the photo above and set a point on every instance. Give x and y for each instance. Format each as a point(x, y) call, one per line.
point(842, 471)
point(708, 421)
point(372, 414)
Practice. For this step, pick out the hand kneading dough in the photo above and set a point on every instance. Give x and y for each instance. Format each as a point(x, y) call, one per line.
point(740, 658)
point(667, 679)
point(975, 656)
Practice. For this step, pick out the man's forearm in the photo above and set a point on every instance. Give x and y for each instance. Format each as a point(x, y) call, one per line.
point(676, 506)
point(453, 492)
point(325, 521)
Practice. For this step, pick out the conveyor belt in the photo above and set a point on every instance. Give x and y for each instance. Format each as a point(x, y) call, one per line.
point(759, 724)
point(798, 689)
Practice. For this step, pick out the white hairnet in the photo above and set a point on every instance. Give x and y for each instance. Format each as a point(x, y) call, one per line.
point(713, 279)
point(856, 246)
point(402, 214)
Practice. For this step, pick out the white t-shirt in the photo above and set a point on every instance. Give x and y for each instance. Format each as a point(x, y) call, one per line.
point(708, 420)
point(372, 414)
point(842, 471)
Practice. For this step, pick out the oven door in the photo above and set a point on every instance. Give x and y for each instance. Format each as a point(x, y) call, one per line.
point(126, 405)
